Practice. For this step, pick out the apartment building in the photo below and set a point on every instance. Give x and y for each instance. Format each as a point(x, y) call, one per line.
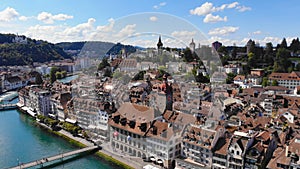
point(288, 80)
point(139, 131)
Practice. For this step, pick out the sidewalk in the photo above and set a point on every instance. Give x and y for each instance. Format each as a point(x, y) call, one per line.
point(134, 162)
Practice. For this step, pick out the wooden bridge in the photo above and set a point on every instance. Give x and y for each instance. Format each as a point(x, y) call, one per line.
point(60, 157)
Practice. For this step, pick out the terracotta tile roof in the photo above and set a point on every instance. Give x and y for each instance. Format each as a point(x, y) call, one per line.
point(264, 135)
point(199, 136)
point(285, 76)
point(136, 112)
point(276, 88)
point(239, 78)
point(222, 146)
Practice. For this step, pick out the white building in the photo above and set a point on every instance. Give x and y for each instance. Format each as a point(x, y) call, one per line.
point(288, 80)
point(140, 132)
point(39, 100)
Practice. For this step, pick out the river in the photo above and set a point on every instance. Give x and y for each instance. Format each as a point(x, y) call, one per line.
point(21, 141)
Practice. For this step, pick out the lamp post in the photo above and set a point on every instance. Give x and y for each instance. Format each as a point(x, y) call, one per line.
point(18, 162)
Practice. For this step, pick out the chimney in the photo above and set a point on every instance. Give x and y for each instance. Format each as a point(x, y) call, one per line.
point(287, 150)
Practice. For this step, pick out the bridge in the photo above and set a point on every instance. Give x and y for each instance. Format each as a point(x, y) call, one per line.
point(7, 106)
point(59, 157)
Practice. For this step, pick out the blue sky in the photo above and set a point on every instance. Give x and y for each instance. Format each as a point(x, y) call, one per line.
point(139, 22)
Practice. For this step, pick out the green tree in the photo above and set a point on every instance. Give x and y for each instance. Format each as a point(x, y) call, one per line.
point(38, 79)
point(107, 72)
point(274, 83)
point(265, 82)
point(283, 43)
point(268, 57)
point(58, 75)
point(230, 77)
point(282, 58)
point(251, 60)
point(104, 63)
point(64, 73)
point(53, 74)
point(295, 45)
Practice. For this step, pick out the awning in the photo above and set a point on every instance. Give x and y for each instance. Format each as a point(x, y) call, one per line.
point(152, 159)
point(70, 120)
point(51, 115)
point(33, 114)
point(159, 161)
point(20, 105)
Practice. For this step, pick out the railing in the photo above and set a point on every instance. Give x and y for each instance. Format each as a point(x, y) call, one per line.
point(59, 157)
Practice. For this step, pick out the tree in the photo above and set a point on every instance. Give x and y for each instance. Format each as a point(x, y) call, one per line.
point(282, 58)
point(274, 83)
point(53, 74)
point(107, 72)
point(58, 75)
point(234, 52)
point(265, 82)
point(38, 79)
point(295, 45)
point(104, 63)
point(283, 43)
point(251, 60)
point(230, 77)
point(64, 73)
point(268, 57)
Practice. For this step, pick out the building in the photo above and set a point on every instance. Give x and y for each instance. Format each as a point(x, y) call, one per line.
point(139, 131)
point(216, 45)
point(58, 103)
point(288, 80)
point(257, 72)
point(128, 65)
point(192, 46)
point(198, 143)
point(159, 46)
point(238, 146)
point(39, 100)
point(231, 68)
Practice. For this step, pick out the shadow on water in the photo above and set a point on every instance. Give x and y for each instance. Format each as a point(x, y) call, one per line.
point(62, 162)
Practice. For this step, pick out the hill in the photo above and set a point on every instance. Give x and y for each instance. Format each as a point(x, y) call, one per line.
point(116, 49)
point(20, 50)
point(93, 49)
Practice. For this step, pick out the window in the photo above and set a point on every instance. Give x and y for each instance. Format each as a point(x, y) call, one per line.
point(237, 153)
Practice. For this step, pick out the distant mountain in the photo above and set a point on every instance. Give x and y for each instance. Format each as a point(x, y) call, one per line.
point(20, 50)
point(94, 49)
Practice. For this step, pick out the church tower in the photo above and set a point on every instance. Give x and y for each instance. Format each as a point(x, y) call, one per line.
point(192, 46)
point(159, 46)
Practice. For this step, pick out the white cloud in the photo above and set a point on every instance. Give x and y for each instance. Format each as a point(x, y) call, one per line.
point(184, 36)
point(257, 32)
point(128, 30)
point(208, 8)
point(23, 18)
point(180, 34)
point(243, 8)
point(48, 18)
point(107, 28)
point(81, 29)
point(204, 9)
point(223, 31)
point(8, 14)
point(213, 19)
point(232, 5)
point(153, 18)
point(160, 5)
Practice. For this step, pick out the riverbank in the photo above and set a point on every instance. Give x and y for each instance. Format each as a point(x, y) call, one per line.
point(103, 153)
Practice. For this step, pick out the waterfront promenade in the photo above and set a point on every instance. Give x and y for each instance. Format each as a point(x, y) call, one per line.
point(134, 162)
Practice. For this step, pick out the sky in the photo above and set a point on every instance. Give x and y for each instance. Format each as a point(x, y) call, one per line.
point(140, 22)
